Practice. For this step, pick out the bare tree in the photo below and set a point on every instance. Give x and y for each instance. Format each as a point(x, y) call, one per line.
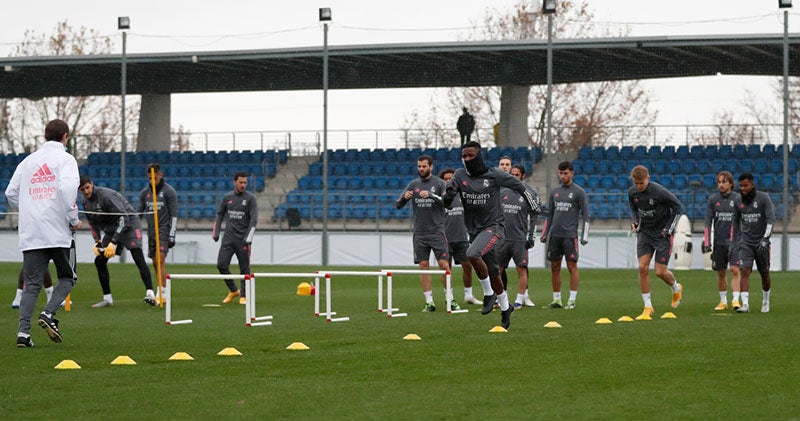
point(94, 121)
point(598, 114)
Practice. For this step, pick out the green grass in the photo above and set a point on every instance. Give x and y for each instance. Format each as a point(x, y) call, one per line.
point(701, 365)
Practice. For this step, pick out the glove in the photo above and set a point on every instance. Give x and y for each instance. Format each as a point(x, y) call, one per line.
point(111, 250)
point(215, 238)
point(763, 248)
point(543, 239)
point(530, 242)
point(584, 242)
point(665, 233)
point(706, 248)
point(97, 249)
point(171, 243)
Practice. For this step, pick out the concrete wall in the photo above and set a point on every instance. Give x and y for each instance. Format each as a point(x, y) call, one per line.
point(610, 249)
point(154, 123)
point(513, 116)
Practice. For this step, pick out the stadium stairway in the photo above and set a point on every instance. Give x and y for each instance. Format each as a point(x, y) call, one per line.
point(276, 189)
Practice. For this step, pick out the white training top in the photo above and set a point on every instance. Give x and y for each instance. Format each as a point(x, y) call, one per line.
point(45, 187)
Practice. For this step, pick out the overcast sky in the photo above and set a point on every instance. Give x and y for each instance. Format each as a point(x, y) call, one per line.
point(160, 26)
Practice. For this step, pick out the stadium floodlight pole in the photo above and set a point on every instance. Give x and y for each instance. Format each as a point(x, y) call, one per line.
point(123, 23)
point(785, 4)
point(549, 9)
point(324, 17)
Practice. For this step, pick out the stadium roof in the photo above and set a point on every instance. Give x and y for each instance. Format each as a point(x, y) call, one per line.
point(447, 64)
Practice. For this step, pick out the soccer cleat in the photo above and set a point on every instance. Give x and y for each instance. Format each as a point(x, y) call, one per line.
point(518, 306)
point(454, 306)
point(570, 305)
point(488, 303)
point(150, 300)
point(556, 304)
point(429, 308)
point(676, 297)
point(765, 306)
point(505, 317)
point(230, 297)
point(472, 300)
point(647, 314)
point(50, 325)
point(721, 306)
point(528, 302)
point(102, 303)
point(23, 342)
point(735, 305)
point(242, 300)
point(745, 308)
point(15, 303)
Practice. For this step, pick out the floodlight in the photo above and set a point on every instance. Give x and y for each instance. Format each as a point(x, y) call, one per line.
point(123, 22)
point(324, 14)
point(549, 6)
point(783, 4)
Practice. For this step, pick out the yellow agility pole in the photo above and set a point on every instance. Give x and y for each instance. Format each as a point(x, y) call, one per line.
point(68, 303)
point(158, 245)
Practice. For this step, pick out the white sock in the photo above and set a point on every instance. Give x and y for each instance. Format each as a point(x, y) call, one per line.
point(723, 297)
point(735, 296)
point(428, 296)
point(765, 298)
point(149, 293)
point(487, 286)
point(556, 296)
point(448, 293)
point(646, 299)
point(520, 298)
point(19, 295)
point(502, 300)
point(745, 298)
point(49, 292)
point(573, 295)
point(467, 293)
point(676, 286)
point(107, 297)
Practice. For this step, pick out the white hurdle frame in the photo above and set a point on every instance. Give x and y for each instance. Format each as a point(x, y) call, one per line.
point(250, 293)
point(448, 281)
point(327, 274)
point(168, 294)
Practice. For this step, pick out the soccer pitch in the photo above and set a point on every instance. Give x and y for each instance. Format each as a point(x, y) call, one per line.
point(701, 365)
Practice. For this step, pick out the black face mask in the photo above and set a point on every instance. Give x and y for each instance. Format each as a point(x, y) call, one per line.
point(475, 166)
point(748, 198)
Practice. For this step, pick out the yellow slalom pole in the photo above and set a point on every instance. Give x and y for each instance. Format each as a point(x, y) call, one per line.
point(68, 303)
point(158, 245)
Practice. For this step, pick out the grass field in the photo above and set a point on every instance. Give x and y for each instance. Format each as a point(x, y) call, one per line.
point(701, 365)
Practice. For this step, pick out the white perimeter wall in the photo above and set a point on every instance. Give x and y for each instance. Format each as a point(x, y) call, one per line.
point(605, 250)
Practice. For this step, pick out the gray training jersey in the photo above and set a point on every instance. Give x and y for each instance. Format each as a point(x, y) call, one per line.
point(751, 221)
point(99, 208)
point(240, 213)
point(454, 226)
point(567, 205)
point(428, 212)
point(719, 217)
point(480, 196)
point(167, 201)
point(653, 209)
point(519, 220)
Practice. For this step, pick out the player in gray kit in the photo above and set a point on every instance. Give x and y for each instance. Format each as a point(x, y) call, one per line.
point(167, 201)
point(425, 193)
point(753, 219)
point(719, 221)
point(115, 227)
point(568, 205)
point(458, 239)
point(239, 211)
point(479, 188)
point(520, 227)
point(654, 212)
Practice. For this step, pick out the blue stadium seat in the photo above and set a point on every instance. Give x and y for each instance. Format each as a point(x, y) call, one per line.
point(754, 151)
point(607, 181)
point(703, 165)
point(709, 180)
point(593, 182)
point(695, 180)
point(617, 166)
point(654, 152)
point(739, 152)
point(622, 182)
point(746, 165)
point(585, 153)
point(660, 166)
point(716, 165)
point(697, 152)
point(675, 166)
point(725, 151)
point(603, 166)
point(687, 166)
point(612, 153)
point(682, 152)
point(767, 182)
point(598, 153)
point(626, 153)
point(679, 182)
point(712, 152)
point(769, 151)
point(589, 167)
point(580, 180)
point(775, 165)
point(640, 153)
point(668, 152)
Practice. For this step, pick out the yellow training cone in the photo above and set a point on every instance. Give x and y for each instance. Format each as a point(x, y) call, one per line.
point(68, 365)
point(603, 321)
point(298, 346)
point(229, 351)
point(625, 319)
point(180, 356)
point(669, 315)
point(304, 289)
point(123, 360)
point(552, 324)
point(497, 329)
point(412, 337)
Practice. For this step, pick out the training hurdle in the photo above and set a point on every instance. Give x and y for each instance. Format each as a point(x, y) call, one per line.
point(389, 272)
point(168, 293)
point(250, 293)
point(327, 274)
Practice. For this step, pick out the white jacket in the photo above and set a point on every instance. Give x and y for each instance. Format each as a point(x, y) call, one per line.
point(45, 187)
